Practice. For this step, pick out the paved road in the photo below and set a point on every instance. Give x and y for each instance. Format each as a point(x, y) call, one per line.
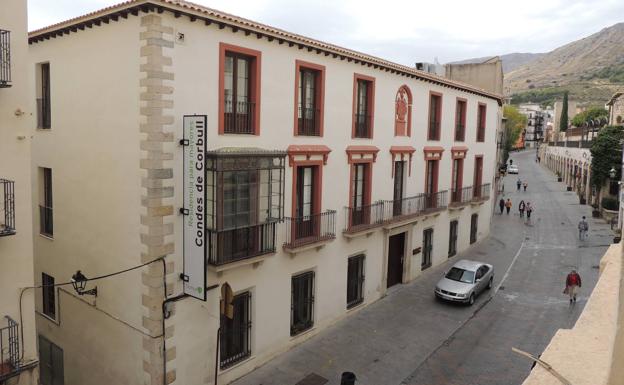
point(410, 338)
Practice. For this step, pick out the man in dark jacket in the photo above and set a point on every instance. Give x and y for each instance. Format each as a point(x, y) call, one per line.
point(501, 204)
point(573, 282)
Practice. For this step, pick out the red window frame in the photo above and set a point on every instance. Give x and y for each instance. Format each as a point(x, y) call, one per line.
point(370, 104)
point(408, 127)
point(460, 119)
point(438, 116)
point(254, 83)
point(319, 93)
point(481, 114)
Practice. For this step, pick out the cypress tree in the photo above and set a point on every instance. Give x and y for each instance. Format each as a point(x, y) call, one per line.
point(563, 122)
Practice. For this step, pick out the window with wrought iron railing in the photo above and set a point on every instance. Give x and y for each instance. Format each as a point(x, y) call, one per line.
point(7, 207)
point(302, 303)
point(244, 201)
point(5, 58)
point(235, 344)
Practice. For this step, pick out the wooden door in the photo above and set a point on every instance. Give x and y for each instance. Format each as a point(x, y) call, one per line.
point(396, 253)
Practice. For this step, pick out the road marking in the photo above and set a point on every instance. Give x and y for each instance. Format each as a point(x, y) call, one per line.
point(513, 261)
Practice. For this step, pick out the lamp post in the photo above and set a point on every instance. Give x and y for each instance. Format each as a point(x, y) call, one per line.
point(79, 282)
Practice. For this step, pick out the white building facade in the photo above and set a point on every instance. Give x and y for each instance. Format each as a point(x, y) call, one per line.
point(329, 177)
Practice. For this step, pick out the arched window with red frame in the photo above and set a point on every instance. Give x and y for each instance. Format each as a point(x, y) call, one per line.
point(403, 112)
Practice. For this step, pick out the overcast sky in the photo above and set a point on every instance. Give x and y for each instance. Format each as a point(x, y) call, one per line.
point(404, 31)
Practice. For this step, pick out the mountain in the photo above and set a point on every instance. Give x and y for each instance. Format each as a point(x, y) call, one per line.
point(591, 69)
point(510, 61)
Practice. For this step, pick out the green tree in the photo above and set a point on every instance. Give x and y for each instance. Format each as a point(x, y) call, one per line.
point(606, 151)
point(515, 123)
point(589, 114)
point(563, 122)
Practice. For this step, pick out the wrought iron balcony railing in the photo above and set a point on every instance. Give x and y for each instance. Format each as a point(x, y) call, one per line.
point(7, 207)
point(403, 208)
point(309, 122)
point(461, 196)
point(363, 217)
point(233, 245)
point(362, 125)
point(436, 201)
point(309, 229)
point(5, 58)
point(482, 192)
point(9, 349)
point(238, 117)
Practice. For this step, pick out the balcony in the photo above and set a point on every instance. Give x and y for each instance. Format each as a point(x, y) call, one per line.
point(363, 219)
point(435, 202)
point(309, 231)
point(43, 113)
point(7, 207)
point(403, 209)
point(239, 117)
point(362, 125)
point(9, 349)
point(481, 193)
point(461, 197)
point(5, 58)
point(309, 122)
point(228, 246)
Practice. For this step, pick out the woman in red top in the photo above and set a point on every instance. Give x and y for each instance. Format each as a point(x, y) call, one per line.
point(573, 282)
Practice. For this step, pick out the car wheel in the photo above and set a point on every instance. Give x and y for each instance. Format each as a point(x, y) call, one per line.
point(489, 286)
point(471, 299)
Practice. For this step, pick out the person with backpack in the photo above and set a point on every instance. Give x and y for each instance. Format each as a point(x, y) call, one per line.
point(573, 282)
point(501, 204)
point(521, 208)
point(583, 226)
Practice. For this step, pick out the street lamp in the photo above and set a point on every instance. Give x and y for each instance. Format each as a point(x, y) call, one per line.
point(79, 282)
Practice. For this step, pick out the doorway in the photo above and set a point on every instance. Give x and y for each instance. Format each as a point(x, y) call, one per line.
point(396, 253)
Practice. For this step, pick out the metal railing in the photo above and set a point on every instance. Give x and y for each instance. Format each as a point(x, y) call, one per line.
point(463, 195)
point(7, 207)
point(309, 122)
point(460, 132)
point(401, 208)
point(238, 117)
point(9, 348)
point(309, 229)
point(482, 192)
point(242, 243)
point(46, 222)
point(436, 201)
point(43, 113)
point(362, 125)
point(5, 58)
point(363, 217)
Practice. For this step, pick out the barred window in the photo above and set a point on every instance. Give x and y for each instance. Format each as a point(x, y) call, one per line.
point(49, 295)
point(236, 332)
point(355, 281)
point(302, 303)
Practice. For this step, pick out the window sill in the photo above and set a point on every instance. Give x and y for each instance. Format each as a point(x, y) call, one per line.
point(48, 237)
point(238, 364)
point(43, 129)
point(355, 305)
point(240, 263)
point(303, 333)
point(425, 267)
point(47, 317)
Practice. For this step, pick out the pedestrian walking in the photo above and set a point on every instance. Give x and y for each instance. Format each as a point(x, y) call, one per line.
point(518, 184)
point(525, 184)
point(573, 283)
point(583, 226)
point(529, 210)
point(501, 204)
point(521, 208)
point(508, 205)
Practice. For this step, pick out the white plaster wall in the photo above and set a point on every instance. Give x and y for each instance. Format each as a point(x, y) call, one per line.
point(16, 122)
point(93, 151)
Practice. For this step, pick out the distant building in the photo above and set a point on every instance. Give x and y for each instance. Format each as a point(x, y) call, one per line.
point(616, 109)
point(536, 121)
point(487, 75)
point(432, 68)
point(572, 110)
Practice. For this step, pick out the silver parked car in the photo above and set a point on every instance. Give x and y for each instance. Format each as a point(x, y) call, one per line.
point(465, 281)
point(513, 169)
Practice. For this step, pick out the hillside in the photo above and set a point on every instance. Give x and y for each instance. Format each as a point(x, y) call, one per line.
point(510, 61)
point(592, 69)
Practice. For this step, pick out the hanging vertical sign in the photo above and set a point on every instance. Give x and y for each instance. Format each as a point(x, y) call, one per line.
point(194, 209)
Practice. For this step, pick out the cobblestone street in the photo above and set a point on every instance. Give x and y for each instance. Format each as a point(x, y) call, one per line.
point(410, 338)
